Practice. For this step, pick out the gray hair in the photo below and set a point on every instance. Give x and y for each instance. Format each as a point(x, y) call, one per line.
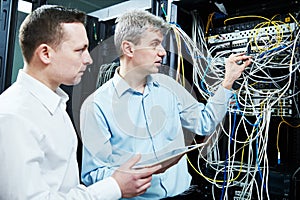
point(132, 24)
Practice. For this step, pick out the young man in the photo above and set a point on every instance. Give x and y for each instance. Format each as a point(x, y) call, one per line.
point(37, 140)
point(140, 110)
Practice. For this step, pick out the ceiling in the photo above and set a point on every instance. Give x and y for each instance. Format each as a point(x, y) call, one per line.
point(86, 5)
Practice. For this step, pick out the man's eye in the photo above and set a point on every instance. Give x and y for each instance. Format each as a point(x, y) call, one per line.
point(80, 50)
point(155, 45)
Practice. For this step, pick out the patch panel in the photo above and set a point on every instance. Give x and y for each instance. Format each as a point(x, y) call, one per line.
point(276, 112)
point(239, 195)
point(259, 42)
point(283, 107)
point(251, 33)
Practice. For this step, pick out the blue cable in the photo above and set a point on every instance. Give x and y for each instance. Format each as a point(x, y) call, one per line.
point(259, 170)
point(177, 25)
point(272, 50)
point(231, 136)
point(225, 174)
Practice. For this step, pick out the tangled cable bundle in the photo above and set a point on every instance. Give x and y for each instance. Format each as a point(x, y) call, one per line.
point(259, 93)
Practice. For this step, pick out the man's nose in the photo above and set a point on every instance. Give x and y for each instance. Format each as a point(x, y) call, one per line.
point(87, 59)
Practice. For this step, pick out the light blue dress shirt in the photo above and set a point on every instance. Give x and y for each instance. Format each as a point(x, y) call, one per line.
point(118, 122)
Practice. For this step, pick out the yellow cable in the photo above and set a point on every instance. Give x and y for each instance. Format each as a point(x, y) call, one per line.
point(247, 16)
point(180, 64)
point(279, 125)
point(220, 181)
point(209, 22)
point(259, 26)
point(178, 42)
point(294, 19)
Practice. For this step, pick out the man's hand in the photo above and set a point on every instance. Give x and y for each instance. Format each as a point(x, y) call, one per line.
point(134, 182)
point(234, 66)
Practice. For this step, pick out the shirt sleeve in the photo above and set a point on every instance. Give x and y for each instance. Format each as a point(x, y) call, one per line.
point(200, 118)
point(21, 171)
point(108, 186)
point(97, 149)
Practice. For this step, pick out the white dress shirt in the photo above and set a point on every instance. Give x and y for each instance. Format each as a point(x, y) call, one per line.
point(38, 147)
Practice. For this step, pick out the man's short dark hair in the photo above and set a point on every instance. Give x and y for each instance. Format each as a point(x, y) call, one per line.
point(43, 25)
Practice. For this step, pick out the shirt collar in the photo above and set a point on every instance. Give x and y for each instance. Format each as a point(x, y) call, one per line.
point(122, 86)
point(119, 83)
point(45, 95)
point(152, 81)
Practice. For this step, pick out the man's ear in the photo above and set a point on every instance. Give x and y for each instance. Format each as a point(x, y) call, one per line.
point(44, 52)
point(127, 48)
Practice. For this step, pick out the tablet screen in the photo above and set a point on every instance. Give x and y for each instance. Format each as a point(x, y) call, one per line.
point(169, 157)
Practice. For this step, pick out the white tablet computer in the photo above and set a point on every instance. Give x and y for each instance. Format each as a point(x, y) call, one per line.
point(168, 158)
